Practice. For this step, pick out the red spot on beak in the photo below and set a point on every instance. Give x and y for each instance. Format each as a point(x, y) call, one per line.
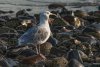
point(51, 21)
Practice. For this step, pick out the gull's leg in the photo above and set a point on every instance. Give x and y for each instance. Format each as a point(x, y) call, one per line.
point(37, 51)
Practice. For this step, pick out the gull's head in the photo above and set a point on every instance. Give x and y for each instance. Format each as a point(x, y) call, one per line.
point(46, 14)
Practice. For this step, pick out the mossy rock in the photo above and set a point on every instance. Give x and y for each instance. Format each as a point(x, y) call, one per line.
point(81, 14)
point(45, 48)
point(5, 29)
point(58, 22)
point(59, 62)
point(13, 23)
point(97, 35)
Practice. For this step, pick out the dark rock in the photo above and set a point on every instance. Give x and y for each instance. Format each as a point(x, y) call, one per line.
point(59, 62)
point(74, 54)
point(27, 53)
point(46, 48)
point(75, 63)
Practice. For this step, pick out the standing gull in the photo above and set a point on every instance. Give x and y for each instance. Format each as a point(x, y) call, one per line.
point(39, 34)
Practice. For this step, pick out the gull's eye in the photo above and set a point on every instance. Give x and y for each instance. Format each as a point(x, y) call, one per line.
point(47, 12)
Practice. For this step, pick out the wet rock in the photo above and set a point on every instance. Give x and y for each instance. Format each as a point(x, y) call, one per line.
point(6, 17)
point(28, 9)
point(13, 52)
point(59, 62)
point(93, 29)
point(86, 38)
point(48, 63)
point(73, 36)
point(10, 11)
point(53, 41)
point(8, 30)
point(40, 64)
point(33, 59)
point(7, 62)
point(13, 23)
point(97, 59)
point(74, 54)
point(80, 13)
point(75, 63)
point(22, 13)
point(75, 21)
point(27, 52)
point(91, 19)
point(57, 51)
point(64, 35)
point(64, 29)
point(3, 46)
point(2, 22)
point(82, 54)
point(56, 5)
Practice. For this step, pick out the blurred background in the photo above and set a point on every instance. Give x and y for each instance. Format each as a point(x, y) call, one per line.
point(40, 5)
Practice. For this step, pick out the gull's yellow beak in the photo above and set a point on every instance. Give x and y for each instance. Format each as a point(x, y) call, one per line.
point(53, 14)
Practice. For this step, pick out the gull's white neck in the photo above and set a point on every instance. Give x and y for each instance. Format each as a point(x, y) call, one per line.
point(43, 21)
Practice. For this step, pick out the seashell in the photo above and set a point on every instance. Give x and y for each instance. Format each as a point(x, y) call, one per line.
point(28, 22)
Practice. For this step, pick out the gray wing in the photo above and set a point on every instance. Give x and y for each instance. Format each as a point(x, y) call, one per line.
point(33, 36)
point(27, 37)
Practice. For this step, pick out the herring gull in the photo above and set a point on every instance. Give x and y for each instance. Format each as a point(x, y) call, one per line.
point(39, 34)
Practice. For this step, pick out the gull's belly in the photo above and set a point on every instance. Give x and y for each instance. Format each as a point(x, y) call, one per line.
point(46, 38)
point(41, 42)
point(42, 36)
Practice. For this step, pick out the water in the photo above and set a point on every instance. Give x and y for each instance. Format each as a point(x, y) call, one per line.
point(37, 5)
